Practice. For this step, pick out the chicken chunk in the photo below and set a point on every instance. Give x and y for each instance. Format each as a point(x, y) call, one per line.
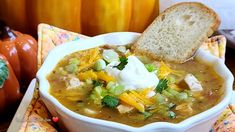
point(184, 109)
point(193, 83)
point(73, 83)
point(124, 108)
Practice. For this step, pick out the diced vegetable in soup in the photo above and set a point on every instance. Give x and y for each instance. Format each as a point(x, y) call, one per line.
point(111, 83)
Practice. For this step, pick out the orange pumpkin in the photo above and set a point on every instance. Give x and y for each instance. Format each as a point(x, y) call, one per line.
point(21, 52)
point(9, 86)
point(90, 17)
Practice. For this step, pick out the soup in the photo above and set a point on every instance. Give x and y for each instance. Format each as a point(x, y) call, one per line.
point(113, 84)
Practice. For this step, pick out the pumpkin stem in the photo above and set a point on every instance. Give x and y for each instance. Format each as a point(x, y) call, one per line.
point(6, 32)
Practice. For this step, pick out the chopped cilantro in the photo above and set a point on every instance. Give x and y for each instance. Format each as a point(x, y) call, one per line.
point(122, 64)
point(110, 101)
point(162, 85)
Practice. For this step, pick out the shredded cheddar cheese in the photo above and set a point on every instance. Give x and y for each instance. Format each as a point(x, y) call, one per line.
point(131, 101)
point(141, 98)
point(104, 76)
point(95, 76)
point(164, 71)
point(87, 58)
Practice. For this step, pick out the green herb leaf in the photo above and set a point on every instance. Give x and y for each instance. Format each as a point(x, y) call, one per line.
point(122, 64)
point(110, 101)
point(162, 85)
point(150, 67)
point(172, 115)
point(4, 72)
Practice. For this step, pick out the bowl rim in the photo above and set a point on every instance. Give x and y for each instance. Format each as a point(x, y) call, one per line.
point(70, 47)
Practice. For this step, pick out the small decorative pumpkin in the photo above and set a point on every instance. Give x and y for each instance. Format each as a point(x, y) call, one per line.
point(9, 86)
point(21, 52)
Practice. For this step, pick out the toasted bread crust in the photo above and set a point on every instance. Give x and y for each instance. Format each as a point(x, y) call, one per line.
point(137, 48)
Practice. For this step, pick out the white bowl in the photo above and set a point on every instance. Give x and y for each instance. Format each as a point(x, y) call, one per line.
point(76, 122)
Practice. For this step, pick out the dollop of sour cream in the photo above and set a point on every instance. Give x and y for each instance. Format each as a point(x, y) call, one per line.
point(134, 75)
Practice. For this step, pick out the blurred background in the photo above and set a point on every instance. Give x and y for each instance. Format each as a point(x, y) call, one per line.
point(89, 17)
point(93, 17)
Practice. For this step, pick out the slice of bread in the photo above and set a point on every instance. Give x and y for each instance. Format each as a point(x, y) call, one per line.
point(178, 32)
